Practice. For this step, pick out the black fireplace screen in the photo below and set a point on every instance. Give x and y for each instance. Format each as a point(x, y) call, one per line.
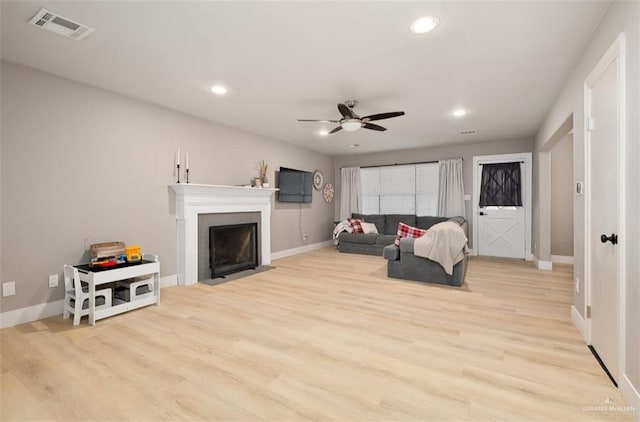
point(232, 248)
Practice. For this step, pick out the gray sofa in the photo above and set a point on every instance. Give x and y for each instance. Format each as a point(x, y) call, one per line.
point(387, 225)
point(401, 262)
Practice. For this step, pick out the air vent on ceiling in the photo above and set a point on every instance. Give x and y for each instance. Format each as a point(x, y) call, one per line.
point(57, 24)
point(469, 132)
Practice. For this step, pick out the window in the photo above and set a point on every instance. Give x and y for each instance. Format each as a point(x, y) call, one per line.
point(500, 185)
point(405, 189)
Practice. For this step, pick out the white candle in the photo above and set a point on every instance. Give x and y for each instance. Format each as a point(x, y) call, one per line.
point(178, 157)
point(187, 162)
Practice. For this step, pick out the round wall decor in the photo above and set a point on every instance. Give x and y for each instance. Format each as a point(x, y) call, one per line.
point(328, 192)
point(318, 179)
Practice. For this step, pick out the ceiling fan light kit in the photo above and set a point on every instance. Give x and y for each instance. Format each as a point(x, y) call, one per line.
point(351, 122)
point(351, 125)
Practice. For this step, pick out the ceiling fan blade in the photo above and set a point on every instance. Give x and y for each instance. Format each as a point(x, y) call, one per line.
point(313, 120)
point(339, 128)
point(374, 127)
point(345, 111)
point(381, 116)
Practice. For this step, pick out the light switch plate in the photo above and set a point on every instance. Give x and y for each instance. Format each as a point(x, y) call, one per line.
point(53, 280)
point(8, 288)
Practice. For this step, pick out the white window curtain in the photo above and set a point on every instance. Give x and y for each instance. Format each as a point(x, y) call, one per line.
point(451, 193)
point(350, 195)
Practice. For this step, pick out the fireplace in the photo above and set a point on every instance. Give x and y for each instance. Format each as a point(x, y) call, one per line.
point(232, 248)
point(193, 200)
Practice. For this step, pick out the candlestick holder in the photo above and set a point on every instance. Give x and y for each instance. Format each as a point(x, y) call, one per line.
point(178, 166)
point(187, 172)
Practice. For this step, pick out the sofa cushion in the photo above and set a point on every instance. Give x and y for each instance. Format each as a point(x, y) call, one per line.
point(376, 219)
point(459, 219)
point(391, 253)
point(391, 222)
point(386, 239)
point(356, 225)
point(365, 239)
point(405, 230)
point(426, 222)
point(369, 228)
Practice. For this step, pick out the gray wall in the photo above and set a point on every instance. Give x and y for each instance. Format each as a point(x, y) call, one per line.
point(620, 17)
point(82, 165)
point(464, 151)
point(562, 197)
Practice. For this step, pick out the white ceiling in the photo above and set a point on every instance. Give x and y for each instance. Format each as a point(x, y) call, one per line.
point(504, 61)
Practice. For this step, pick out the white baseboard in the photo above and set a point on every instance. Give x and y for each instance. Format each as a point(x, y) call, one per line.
point(169, 281)
point(579, 322)
point(545, 265)
point(542, 265)
point(562, 259)
point(301, 249)
point(49, 309)
point(631, 395)
point(31, 313)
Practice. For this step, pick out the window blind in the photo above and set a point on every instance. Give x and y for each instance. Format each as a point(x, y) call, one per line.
point(403, 189)
point(370, 188)
point(427, 187)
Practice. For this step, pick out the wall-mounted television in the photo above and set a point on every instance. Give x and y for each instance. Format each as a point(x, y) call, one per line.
point(295, 185)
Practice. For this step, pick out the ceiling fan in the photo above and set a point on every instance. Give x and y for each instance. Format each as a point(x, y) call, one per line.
point(351, 122)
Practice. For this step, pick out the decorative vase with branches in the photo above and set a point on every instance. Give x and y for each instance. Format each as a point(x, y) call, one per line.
point(262, 168)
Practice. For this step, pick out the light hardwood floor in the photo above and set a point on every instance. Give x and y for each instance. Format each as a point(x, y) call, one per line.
point(324, 336)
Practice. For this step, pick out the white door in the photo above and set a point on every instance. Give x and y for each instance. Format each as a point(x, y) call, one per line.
point(602, 149)
point(501, 230)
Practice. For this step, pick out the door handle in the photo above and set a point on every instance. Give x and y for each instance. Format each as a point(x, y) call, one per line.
point(613, 238)
point(483, 213)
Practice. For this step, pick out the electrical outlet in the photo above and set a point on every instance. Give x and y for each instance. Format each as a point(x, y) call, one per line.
point(577, 285)
point(305, 238)
point(53, 280)
point(8, 288)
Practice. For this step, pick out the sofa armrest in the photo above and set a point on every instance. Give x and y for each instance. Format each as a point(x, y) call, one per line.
point(391, 253)
point(406, 244)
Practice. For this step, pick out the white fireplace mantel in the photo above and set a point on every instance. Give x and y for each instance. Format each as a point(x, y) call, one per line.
point(193, 199)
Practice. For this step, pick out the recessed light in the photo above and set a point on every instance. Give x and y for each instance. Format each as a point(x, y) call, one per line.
point(424, 24)
point(218, 90)
point(323, 132)
point(459, 112)
point(354, 145)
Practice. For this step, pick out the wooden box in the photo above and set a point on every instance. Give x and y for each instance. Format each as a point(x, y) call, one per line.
point(106, 250)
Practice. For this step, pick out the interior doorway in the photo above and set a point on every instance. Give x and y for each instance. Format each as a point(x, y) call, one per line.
point(562, 195)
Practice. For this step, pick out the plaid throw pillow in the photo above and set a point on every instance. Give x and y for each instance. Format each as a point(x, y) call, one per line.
point(356, 225)
point(405, 230)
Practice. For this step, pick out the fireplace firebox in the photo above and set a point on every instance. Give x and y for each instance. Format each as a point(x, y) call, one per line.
point(232, 248)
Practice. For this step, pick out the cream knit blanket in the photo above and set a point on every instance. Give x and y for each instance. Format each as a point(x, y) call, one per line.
point(444, 243)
